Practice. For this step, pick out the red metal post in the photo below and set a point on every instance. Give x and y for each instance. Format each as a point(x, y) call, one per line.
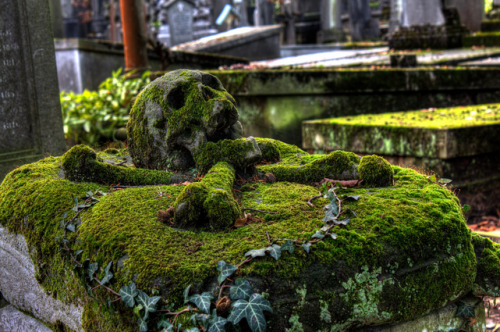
point(134, 37)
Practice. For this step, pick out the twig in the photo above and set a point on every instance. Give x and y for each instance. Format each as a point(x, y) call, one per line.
point(250, 209)
point(268, 238)
point(309, 202)
point(107, 288)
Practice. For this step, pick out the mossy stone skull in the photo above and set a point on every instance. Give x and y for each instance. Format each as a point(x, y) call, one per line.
point(176, 114)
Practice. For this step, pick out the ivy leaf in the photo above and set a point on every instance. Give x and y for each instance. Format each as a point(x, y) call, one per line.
point(444, 181)
point(200, 319)
point(92, 269)
point(128, 293)
point(341, 222)
point(71, 228)
point(252, 310)
point(274, 251)
point(217, 324)
point(333, 235)
point(202, 301)
point(143, 325)
point(318, 235)
point(256, 253)
point(354, 197)
point(330, 215)
point(107, 274)
point(148, 303)
point(193, 329)
point(241, 290)
point(226, 270)
point(307, 246)
point(78, 252)
point(186, 294)
point(465, 310)
point(288, 246)
point(167, 326)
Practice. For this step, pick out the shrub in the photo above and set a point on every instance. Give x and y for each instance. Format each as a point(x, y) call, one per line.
point(93, 117)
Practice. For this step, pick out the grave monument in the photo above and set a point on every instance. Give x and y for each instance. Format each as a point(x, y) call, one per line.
point(331, 24)
point(30, 113)
point(424, 24)
point(218, 229)
point(180, 21)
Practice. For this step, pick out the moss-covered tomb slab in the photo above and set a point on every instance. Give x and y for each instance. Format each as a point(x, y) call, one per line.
point(405, 252)
point(430, 133)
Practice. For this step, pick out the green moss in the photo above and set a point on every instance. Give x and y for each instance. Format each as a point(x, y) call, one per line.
point(337, 165)
point(208, 204)
point(441, 118)
point(413, 233)
point(232, 151)
point(488, 266)
point(81, 164)
point(375, 171)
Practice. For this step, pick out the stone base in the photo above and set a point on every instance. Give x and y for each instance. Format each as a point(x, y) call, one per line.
point(331, 36)
point(490, 25)
point(424, 37)
point(441, 320)
point(488, 39)
point(13, 320)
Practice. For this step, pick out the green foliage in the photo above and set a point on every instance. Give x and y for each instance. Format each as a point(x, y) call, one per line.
point(202, 301)
point(93, 116)
point(128, 294)
point(464, 310)
point(252, 310)
point(147, 303)
point(226, 270)
point(240, 290)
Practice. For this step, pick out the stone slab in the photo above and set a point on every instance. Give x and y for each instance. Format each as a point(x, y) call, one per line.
point(30, 112)
point(432, 133)
point(20, 288)
point(253, 43)
point(13, 320)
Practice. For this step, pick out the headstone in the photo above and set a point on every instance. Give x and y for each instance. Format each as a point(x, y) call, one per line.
point(471, 12)
point(361, 24)
point(30, 111)
point(496, 3)
point(331, 24)
point(424, 24)
point(423, 12)
point(264, 14)
point(180, 19)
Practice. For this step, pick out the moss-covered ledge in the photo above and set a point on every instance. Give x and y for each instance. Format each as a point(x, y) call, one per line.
point(405, 252)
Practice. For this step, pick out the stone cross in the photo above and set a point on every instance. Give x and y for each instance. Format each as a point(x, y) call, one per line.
point(180, 21)
point(30, 111)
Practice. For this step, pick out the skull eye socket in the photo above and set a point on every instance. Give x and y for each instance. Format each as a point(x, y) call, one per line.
point(211, 81)
point(176, 98)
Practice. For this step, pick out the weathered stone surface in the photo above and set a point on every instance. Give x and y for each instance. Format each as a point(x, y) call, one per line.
point(434, 133)
point(20, 288)
point(12, 320)
point(30, 116)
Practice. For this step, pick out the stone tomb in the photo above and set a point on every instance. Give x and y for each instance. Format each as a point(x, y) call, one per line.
point(396, 248)
point(180, 21)
point(459, 143)
point(30, 113)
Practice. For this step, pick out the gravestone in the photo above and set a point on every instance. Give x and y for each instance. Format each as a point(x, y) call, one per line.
point(180, 20)
point(361, 24)
point(30, 112)
point(331, 24)
point(424, 24)
point(420, 13)
point(471, 12)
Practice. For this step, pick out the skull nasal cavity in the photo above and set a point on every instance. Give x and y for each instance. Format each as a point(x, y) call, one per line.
point(176, 98)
